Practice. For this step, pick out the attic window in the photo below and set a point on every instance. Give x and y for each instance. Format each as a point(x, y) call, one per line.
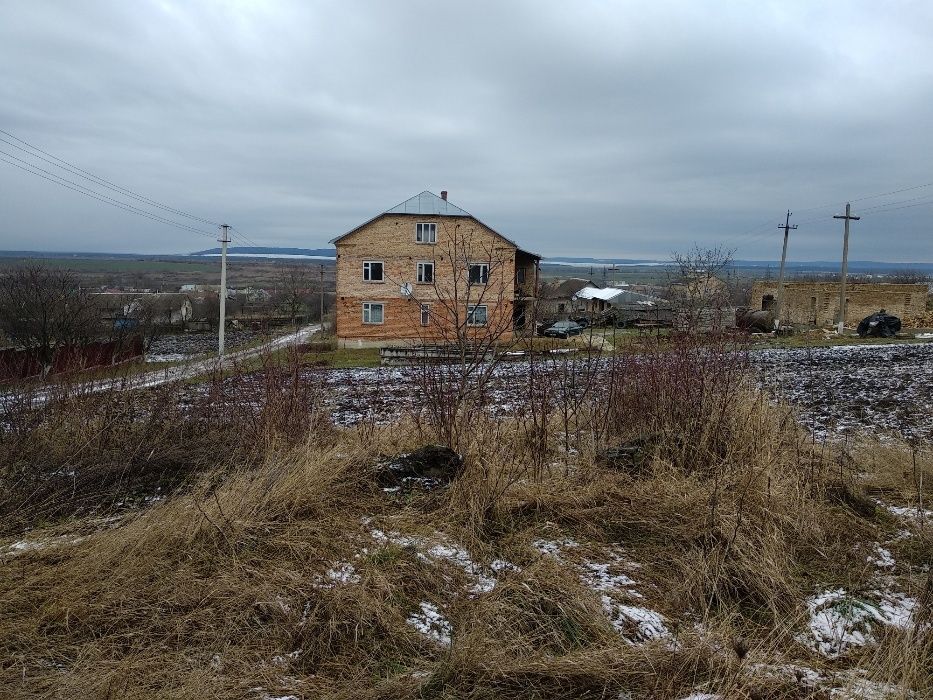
point(426, 233)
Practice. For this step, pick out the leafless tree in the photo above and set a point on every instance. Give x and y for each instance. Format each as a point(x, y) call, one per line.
point(44, 309)
point(294, 291)
point(696, 288)
point(466, 309)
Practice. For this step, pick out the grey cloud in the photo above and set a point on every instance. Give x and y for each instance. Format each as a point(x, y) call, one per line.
point(585, 128)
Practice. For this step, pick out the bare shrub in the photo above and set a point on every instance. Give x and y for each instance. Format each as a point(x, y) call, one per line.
point(68, 448)
point(682, 397)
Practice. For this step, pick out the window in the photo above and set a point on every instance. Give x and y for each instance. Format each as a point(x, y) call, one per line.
point(426, 233)
point(372, 271)
point(520, 275)
point(372, 312)
point(479, 273)
point(561, 308)
point(425, 315)
point(476, 315)
point(425, 272)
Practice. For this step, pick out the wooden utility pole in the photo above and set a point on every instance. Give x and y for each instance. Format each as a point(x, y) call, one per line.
point(780, 300)
point(224, 240)
point(845, 263)
point(322, 300)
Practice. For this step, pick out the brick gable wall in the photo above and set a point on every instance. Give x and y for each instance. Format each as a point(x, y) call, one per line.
point(390, 239)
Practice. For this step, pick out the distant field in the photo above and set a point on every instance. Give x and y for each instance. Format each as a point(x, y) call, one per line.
point(169, 273)
point(122, 264)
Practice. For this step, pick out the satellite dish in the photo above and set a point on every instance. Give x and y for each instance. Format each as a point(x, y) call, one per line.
point(406, 289)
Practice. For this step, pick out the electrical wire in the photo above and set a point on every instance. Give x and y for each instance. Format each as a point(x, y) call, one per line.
point(246, 238)
point(80, 189)
point(80, 172)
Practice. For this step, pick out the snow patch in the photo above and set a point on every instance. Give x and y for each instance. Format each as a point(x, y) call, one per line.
point(343, 573)
point(881, 558)
point(839, 621)
point(912, 513)
point(444, 551)
point(648, 624)
point(803, 675)
point(636, 624)
point(431, 623)
point(863, 689)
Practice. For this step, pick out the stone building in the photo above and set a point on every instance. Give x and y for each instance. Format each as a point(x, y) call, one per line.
point(428, 271)
point(817, 303)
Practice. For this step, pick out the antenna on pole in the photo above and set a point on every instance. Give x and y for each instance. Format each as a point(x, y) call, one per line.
point(845, 263)
point(780, 300)
point(224, 240)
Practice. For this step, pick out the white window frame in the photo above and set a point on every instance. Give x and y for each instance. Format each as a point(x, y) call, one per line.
point(483, 277)
point(426, 232)
point(368, 313)
point(471, 312)
point(368, 270)
point(425, 314)
point(422, 265)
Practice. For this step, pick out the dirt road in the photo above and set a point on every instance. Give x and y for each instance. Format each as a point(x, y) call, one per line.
point(187, 370)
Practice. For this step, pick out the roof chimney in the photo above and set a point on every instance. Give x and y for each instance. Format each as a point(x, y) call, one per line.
point(444, 195)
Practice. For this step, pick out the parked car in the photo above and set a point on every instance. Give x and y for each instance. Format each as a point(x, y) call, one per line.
point(563, 329)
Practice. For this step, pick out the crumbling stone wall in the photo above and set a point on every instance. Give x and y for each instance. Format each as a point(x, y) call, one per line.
point(817, 303)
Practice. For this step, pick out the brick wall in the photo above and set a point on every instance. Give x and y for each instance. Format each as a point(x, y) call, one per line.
point(818, 302)
point(390, 239)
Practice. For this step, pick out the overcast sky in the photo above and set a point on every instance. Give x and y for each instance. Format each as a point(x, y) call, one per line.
point(623, 129)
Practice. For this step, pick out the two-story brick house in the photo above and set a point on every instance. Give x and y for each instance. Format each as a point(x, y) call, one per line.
point(428, 271)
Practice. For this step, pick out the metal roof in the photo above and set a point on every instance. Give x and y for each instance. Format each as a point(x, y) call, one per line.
point(427, 203)
point(618, 297)
point(606, 294)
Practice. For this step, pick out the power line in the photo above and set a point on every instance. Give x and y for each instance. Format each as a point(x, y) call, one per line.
point(80, 189)
point(247, 238)
point(869, 196)
point(892, 204)
point(907, 206)
point(750, 236)
point(75, 170)
point(885, 194)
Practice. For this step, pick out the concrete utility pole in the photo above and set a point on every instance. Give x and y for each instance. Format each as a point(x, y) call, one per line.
point(845, 263)
point(224, 240)
point(780, 300)
point(322, 300)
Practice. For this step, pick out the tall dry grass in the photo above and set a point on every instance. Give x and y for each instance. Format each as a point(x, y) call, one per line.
point(734, 515)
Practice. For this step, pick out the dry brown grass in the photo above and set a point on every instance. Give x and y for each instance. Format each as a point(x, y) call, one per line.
point(207, 593)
